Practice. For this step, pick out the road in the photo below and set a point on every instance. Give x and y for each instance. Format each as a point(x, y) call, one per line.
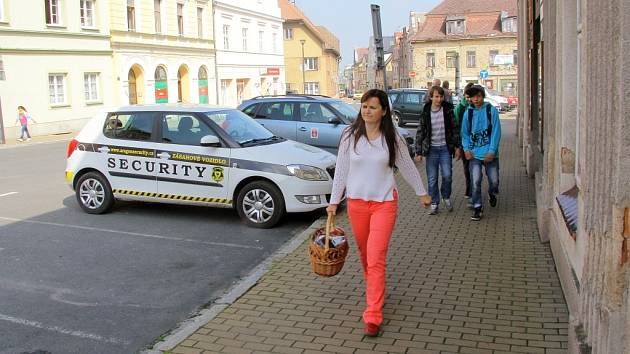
point(78, 283)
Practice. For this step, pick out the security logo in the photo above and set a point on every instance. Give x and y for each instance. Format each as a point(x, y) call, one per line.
point(217, 174)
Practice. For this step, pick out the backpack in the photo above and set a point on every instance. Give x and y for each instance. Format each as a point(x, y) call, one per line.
point(488, 113)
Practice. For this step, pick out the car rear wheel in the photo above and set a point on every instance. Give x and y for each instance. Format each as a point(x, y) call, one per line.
point(260, 204)
point(397, 120)
point(94, 193)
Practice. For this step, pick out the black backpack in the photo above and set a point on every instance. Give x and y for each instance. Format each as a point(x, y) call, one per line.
point(488, 113)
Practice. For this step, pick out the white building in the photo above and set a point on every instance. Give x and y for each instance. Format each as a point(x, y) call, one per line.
point(250, 51)
point(55, 59)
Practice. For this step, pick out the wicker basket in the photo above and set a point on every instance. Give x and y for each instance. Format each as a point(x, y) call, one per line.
point(327, 261)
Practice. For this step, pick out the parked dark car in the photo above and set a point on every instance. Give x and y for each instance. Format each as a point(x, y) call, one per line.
point(310, 119)
point(407, 104)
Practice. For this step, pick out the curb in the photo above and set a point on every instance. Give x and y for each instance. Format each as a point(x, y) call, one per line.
point(188, 327)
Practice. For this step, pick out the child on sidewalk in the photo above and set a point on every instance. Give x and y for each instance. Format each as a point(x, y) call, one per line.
point(23, 117)
point(481, 135)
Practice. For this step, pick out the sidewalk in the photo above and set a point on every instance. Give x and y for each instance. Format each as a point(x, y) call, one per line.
point(453, 286)
point(39, 139)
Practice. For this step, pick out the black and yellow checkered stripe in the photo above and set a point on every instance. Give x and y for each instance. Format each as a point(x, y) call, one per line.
point(172, 196)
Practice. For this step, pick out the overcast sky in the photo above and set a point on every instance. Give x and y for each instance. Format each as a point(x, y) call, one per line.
point(351, 20)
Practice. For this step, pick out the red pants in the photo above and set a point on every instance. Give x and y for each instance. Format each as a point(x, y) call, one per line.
point(372, 224)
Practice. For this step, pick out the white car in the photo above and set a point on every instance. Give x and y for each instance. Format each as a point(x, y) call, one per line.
point(197, 154)
point(498, 101)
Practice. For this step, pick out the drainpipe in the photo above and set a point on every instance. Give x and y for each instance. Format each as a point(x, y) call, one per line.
point(214, 39)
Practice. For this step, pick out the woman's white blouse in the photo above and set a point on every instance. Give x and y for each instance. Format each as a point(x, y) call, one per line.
point(364, 171)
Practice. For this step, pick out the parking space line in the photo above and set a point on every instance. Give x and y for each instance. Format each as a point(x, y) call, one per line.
point(160, 237)
point(6, 194)
point(62, 330)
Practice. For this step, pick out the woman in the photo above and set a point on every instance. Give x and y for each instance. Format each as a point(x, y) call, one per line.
point(438, 140)
point(368, 151)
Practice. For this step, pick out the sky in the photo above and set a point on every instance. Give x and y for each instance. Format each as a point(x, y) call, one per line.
point(351, 20)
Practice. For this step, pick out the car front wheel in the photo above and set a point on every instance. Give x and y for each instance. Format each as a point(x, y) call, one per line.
point(94, 193)
point(397, 120)
point(260, 204)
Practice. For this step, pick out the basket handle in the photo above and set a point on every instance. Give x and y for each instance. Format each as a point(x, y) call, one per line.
point(330, 225)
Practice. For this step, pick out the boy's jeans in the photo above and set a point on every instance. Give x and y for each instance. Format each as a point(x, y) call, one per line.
point(492, 171)
point(439, 159)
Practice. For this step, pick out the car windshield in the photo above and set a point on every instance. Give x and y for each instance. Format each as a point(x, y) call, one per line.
point(243, 129)
point(345, 109)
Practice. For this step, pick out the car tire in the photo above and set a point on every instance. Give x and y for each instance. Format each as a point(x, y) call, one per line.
point(397, 120)
point(94, 193)
point(260, 204)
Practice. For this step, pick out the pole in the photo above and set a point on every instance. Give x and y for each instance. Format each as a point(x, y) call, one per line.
point(302, 41)
point(457, 73)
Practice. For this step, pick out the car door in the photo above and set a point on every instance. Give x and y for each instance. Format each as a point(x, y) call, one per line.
point(185, 169)
point(128, 154)
point(277, 117)
point(411, 106)
point(315, 128)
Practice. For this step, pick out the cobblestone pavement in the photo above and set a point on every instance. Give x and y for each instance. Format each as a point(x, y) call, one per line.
point(453, 286)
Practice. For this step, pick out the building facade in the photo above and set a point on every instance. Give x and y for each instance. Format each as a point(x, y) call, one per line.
point(359, 70)
point(163, 51)
point(573, 126)
point(55, 59)
point(311, 54)
point(250, 51)
point(478, 37)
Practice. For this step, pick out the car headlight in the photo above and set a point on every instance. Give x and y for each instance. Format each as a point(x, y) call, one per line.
point(308, 173)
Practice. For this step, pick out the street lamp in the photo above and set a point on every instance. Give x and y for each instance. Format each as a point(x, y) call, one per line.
point(302, 41)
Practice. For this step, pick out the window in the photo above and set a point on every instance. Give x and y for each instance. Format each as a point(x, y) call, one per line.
point(492, 54)
point(455, 27)
point(311, 63)
point(315, 113)
point(200, 22)
point(451, 59)
point(57, 88)
point(226, 37)
point(184, 129)
point(244, 32)
point(131, 15)
point(87, 13)
point(225, 85)
point(430, 60)
point(1, 10)
point(130, 126)
point(515, 55)
point(2, 74)
point(311, 88)
point(509, 25)
point(180, 19)
point(274, 46)
point(251, 110)
point(52, 12)
point(412, 98)
point(288, 33)
point(471, 59)
point(157, 15)
point(276, 111)
point(261, 36)
point(91, 87)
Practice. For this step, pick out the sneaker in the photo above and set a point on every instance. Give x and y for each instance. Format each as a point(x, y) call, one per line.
point(467, 196)
point(448, 204)
point(371, 330)
point(477, 214)
point(493, 200)
point(434, 209)
point(20, 139)
point(28, 139)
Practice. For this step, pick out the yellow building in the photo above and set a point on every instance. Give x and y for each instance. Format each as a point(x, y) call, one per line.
point(163, 51)
point(480, 35)
point(313, 46)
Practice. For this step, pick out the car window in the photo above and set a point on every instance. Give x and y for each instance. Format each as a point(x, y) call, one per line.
point(251, 110)
point(345, 109)
point(393, 96)
point(412, 98)
point(315, 113)
point(276, 110)
point(239, 126)
point(184, 129)
point(129, 126)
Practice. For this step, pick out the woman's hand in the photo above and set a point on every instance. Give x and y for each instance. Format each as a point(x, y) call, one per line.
point(425, 200)
point(418, 158)
point(332, 209)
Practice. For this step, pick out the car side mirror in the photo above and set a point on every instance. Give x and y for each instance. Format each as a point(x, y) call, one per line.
point(210, 141)
point(334, 120)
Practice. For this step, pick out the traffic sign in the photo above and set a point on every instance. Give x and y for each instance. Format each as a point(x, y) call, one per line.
point(484, 74)
point(412, 74)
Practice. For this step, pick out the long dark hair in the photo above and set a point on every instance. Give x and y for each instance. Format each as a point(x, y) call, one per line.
point(388, 131)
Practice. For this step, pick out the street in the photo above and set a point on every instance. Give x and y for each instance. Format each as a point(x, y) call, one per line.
point(113, 283)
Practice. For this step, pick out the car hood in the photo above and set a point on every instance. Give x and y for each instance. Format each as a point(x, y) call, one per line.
point(288, 152)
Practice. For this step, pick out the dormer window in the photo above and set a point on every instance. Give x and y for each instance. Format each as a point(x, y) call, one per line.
point(508, 24)
point(455, 25)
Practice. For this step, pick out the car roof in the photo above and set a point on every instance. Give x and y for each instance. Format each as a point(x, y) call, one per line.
point(295, 97)
point(407, 89)
point(182, 107)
